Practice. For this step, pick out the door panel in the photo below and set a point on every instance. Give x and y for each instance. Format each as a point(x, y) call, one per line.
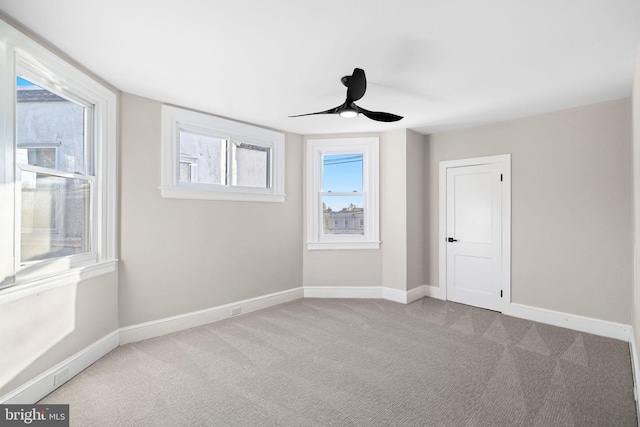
point(474, 223)
point(472, 274)
point(472, 206)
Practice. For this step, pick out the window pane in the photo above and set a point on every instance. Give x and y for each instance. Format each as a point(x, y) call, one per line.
point(250, 165)
point(343, 214)
point(50, 129)
point(206, 157)
point(55, 216)
point(342, 172)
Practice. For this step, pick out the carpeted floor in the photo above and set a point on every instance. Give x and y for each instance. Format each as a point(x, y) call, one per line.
point(328, 362)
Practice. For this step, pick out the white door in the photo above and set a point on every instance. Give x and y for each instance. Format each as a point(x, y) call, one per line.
point(474, 235)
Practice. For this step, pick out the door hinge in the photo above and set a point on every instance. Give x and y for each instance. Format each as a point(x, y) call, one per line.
point(500, 293)
point(500, 177)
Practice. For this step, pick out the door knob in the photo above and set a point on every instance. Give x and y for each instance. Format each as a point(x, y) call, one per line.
point(451, 239)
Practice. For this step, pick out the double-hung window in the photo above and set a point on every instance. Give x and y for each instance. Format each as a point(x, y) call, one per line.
point(342, 193)
point(55, 171)
point(57, 167)
point(207, 157)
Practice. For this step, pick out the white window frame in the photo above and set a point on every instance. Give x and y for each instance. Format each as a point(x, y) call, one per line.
point(174, 119)
point(22, 55)
point(316, 149)
point(193, 165)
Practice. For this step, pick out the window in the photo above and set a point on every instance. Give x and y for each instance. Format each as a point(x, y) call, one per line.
point(206, 157)
point(342, 194)
point(58, 168)
point(54, 195)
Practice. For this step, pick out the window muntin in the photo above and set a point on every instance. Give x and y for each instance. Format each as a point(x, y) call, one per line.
point(342, 192)
point(206, 157)
point(52, 140)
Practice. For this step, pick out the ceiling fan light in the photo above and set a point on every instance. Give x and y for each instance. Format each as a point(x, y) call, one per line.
point(348, 114)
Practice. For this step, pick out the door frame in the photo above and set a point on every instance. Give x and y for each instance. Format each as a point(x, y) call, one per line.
point(505, 161)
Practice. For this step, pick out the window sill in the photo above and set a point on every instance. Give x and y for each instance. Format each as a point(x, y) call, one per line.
point(342, 245)
point(210, 194)
point(25, 288)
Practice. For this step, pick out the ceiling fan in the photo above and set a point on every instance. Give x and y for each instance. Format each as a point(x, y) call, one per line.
point(356, 85)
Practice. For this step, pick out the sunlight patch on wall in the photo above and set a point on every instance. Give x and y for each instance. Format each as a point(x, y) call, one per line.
point(33, 325)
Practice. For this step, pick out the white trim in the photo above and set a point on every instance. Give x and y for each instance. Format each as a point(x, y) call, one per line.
point(172, 192)
point(356, 292)
point(43, 384)
point(342, 246)
point(436, 292)
point(395, 295)
point(505, 160)
point(156, 328)
point(575, 322)
point(67, 277)
point(365, 292)
point(416, 293)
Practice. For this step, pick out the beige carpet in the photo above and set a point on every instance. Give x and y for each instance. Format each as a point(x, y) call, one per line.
point(322, 362)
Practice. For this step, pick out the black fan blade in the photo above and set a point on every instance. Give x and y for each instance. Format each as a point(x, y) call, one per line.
point(377, 115)
point(335, 110)
point(357, 85)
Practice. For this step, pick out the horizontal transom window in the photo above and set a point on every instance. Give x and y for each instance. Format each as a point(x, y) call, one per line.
point(206, 157)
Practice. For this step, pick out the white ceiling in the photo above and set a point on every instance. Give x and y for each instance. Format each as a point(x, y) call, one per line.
point(442, 64)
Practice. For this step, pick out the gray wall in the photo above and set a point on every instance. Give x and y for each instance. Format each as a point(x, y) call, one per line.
point(398, 264)
point(402, 160)
point(416, 169)
point(393, 209)
point(179, 256)
point(571, 205)
point(41, 330)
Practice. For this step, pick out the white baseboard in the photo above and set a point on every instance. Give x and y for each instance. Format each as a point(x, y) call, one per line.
point(404, 297)
point(435, 292)
point(590, 325)
point(365, 292)
point(416, 293)
point(167, 325)
point(34, 390)
point(358, 292)
point(394, 295)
